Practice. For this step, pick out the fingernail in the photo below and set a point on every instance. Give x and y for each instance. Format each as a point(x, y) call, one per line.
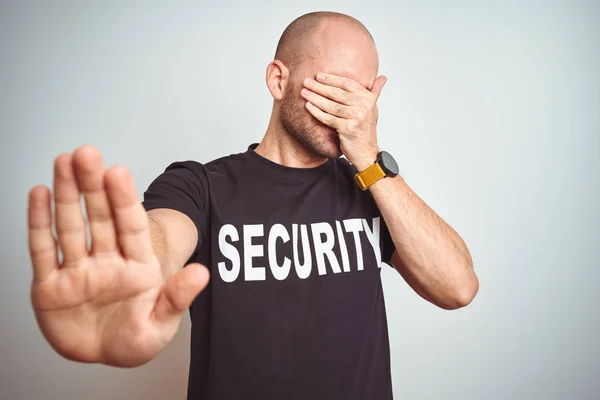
point(304, 92)
point(321, 76)
point(308, 81)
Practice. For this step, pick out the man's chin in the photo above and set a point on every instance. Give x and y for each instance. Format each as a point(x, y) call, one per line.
point(330, 141)
point(322, 141)
point(332, 150)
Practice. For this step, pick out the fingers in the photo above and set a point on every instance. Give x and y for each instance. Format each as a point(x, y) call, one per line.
point(324, 117)
point(336, 94)
point(130, 218)
point(42, 244)
point(89, 174)
point(378, 85)
point(348, 90)
point(180, 291)
point(69, 221)
point(329, 106)
point(341, 82)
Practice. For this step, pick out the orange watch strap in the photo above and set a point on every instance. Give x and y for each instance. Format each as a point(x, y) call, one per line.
point(369, 176)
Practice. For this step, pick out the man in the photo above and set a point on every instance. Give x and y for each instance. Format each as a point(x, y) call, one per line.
point(293, 237)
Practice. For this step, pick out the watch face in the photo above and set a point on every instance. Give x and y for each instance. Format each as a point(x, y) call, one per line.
point(388, 164)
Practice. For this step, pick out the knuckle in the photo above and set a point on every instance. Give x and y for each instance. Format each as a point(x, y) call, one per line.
point(336, 108)
point(70, 225)
point(367, 104)
point(99, 214)
point(337, 92)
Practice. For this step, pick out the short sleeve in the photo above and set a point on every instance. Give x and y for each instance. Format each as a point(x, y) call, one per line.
point(388, 246)
point(183, 187)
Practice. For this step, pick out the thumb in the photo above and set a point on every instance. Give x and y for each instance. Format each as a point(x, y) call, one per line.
point(180, 291)
point(378, 85)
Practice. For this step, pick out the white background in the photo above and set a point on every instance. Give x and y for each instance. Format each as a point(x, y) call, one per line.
point(492, 110)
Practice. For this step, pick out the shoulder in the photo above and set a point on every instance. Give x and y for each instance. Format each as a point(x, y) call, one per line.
point(226, 163)
point(200, 169)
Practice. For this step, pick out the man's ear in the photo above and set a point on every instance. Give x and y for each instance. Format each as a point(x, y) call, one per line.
point(277, 78)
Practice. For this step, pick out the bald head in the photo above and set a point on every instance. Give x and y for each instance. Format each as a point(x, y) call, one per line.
point(304, 38)
point(318, 42)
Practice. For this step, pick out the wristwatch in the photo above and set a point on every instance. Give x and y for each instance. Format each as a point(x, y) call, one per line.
point(384, 166)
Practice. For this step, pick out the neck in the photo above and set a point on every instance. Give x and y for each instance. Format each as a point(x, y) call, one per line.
point(280, 147)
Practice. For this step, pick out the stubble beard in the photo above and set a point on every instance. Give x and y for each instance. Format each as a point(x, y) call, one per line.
point(306, 130)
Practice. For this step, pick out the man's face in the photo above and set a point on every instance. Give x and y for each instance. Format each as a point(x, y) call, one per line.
point(320, 139)
point(350, 55)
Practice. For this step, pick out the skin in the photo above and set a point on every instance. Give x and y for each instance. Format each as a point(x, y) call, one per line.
point(120, 301)
point(327, 106)
point(294, 137)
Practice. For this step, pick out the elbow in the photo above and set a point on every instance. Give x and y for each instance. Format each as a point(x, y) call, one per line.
point(467, 295)
point(464, 294)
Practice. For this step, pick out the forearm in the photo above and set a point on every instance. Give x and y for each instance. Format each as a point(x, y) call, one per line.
point(431, 256)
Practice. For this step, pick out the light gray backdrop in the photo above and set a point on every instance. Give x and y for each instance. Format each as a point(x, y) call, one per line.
point(492, 109)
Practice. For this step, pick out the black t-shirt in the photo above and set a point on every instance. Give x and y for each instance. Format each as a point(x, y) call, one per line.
point(294, 308)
